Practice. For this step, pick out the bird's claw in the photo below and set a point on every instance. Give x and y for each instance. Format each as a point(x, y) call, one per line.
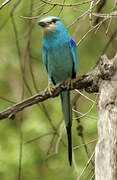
point(68, 84)
point(50, 88)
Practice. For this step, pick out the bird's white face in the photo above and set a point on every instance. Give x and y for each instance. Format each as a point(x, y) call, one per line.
point(49, 24)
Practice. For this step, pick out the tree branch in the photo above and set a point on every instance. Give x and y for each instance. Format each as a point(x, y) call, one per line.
point(90, 82)
point(4, 3)
point(67, 5)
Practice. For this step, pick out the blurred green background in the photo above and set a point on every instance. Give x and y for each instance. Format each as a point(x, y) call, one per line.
point(45, 158)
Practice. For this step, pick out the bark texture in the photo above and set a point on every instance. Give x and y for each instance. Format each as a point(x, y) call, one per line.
point(106, 148)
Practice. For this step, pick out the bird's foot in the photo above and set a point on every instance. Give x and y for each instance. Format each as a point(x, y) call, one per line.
point(50, 87)
point(68, 83)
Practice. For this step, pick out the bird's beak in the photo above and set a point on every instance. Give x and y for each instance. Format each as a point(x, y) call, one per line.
point(42, 24)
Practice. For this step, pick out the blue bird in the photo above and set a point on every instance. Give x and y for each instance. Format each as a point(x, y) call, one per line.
point(59, 54)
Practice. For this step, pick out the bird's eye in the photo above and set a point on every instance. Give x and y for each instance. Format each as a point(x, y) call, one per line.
point(54, 21)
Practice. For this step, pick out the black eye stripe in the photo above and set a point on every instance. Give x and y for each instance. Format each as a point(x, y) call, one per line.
point(52, 21)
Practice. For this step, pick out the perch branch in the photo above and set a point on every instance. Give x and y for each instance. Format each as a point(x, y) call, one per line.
point(82, 82)
point(90, 82)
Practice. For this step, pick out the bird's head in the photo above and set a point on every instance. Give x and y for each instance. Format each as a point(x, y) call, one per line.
point(51, 24)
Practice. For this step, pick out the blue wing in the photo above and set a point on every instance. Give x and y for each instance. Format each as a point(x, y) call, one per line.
point(73, 50)
point(45, 61)
point(44, 57)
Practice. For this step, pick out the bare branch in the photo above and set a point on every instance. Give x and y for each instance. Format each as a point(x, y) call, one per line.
point(82, 145)
point(69, 5)
point(100, 6)
point(7, 100)
point(89, 82)
point(92, 28)
point(82, 82)
point(87, 164)
point(4, 3)
point(85, 13)
point(43, 13)
point(37, 138)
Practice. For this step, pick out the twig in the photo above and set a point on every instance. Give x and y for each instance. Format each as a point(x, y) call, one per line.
point(90, 13)
point(90, 172)
point(100, 6)
point(48, 154)
point(4, 3)
point(91, 30)
point(82, 145)
point(19, 51)
point(20, 120)
point(61, 8)
point(110, 21)
point(86, 97)
point(75, 165)
point(109, 15)
point(90, 109)
point(36, 17)
point(43, 135)
point(92, 176)
point(82, 15)
point(5, 99)
point(58, 141)
point(21, 145)
point(87, 164)
point(86, 148)
point(83, 114)
point(11, 12)
point(60, 136)
point(69, 5)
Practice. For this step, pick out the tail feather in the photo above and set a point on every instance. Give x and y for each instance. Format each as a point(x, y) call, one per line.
point(69, 135)
point(67, 113)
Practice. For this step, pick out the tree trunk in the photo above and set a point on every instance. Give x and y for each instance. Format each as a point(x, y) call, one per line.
point(106, 148)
